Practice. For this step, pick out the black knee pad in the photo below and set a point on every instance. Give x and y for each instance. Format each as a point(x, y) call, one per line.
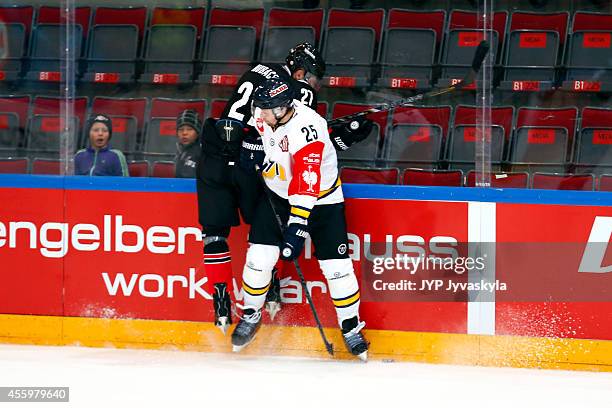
point(215, 239)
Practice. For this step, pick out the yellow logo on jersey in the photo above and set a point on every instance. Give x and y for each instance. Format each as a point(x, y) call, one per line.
point(272, 170)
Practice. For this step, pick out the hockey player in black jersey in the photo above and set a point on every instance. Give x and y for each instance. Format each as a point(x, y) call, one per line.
point(227, 184)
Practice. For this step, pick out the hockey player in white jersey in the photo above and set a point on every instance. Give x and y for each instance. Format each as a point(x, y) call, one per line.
point(301, 171)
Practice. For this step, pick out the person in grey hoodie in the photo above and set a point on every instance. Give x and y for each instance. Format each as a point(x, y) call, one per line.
point(99, 159)
point(188, 150)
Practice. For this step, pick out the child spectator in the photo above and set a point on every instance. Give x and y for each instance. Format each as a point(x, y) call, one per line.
point(188, 128)
point(99, 159)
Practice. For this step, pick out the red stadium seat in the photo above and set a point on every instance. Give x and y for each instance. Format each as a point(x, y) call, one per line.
point(122, 15)
point(52, 15)
point(14, 165)
point(461, 141)
point(18, 14)
point(589, 49)
point(194, 16)
point(138, 168)
point(107, 63)
point(501, 180)
point(163, 169)
point(421, 177)
point(322, 108)
point(534, 47)
point(13, 120)
point(167, 107)
point(543, 139)
point(46, 166)
point(464, 35)
point(238, 17)
point(410, 33)
point(217, 107)
point(417, 137)
point(17, 24)
point(369, 175)
point(285, 17)
point(44, 127)
point(286, 28)
point(239, 28)
point(556, 181)
point(593, 152)
point(605, 182)
point(349, 49)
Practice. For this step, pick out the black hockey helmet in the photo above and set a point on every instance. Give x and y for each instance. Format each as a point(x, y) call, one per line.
point(305, 56)
point(275, 94)
point(189, 117)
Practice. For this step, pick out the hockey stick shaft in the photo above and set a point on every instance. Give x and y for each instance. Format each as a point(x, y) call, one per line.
point(328, 346)
point(479, 56)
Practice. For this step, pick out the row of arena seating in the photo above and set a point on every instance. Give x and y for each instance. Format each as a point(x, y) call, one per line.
point(362, 175)
point(457, 178)
point(527, 139)
point(391, 49)
point(44, 166)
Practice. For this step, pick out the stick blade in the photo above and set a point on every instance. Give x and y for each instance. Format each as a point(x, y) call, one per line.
point(481, 52)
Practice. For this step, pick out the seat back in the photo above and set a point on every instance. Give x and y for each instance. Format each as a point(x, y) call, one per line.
point(369, 175)
point(549, 181)
point(421, 177)
point(105, 56)
point(594, 146)
point(164, 169)
point(14, 165)
point(414, 143)
point(462, 143)
point(161, 136)
point(279, 40)
point(16, 41)
point(501, 180)
point(534, 144)
point(10, 132)
point(170, 48)
point(408, 52)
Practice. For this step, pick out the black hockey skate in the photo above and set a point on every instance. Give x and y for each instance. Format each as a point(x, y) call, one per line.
point(223, 307)
point(273, 299)
point(355, 343)
point(246, 329)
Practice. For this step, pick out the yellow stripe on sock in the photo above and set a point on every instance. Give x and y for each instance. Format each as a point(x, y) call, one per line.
point(346, 302)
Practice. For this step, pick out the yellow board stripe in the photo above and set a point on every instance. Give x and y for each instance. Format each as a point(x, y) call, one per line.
point(346, 301)
point(440, 348)
point(253, 291)
point(298, 212)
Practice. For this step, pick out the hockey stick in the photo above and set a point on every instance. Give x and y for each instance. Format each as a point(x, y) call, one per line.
point(479, 56)
point(279, 222)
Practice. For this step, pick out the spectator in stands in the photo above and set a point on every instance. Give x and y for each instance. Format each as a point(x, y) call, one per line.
point(188, 129)
point(99, 159)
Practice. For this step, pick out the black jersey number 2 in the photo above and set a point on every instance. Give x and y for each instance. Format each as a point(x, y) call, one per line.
point(245, 91)
point(311, 133)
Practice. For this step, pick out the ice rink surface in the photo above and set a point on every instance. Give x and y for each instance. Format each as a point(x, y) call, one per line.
point(173, 379)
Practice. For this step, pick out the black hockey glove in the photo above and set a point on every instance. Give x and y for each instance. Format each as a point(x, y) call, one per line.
point(293, 242)
point(345, 134)
point(251, 154)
